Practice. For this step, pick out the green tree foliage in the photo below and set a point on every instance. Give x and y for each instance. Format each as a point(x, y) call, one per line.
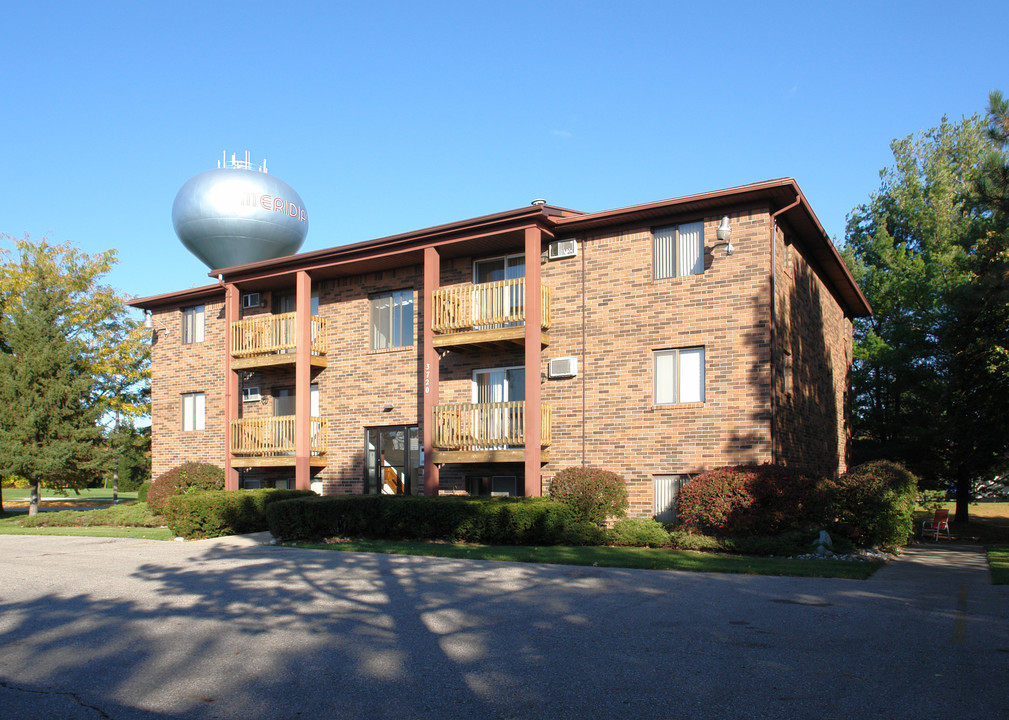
point(48, 415)
point(91, 345)
point(926, 390)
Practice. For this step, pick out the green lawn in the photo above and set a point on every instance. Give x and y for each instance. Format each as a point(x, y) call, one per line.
point(624, 557)
point(998, 560)
point(23, 494)
point(129, 519)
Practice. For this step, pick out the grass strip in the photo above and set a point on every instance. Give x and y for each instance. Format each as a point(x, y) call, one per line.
point(619, 557)
point(998, 561)
point(142, 533)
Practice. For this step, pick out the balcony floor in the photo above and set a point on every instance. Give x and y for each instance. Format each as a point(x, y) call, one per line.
point(490, 338)
point(238, 461)
point(486, 456)
point(275, 360)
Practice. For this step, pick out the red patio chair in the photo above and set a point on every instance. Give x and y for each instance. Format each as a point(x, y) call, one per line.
point(938, 523)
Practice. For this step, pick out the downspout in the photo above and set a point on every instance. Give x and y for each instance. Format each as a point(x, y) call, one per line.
point(774, 324)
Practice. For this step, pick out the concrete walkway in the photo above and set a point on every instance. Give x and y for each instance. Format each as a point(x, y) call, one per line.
point(942, 563)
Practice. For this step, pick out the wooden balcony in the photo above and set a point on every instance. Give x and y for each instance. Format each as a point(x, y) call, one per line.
point(492, 314)
point(485, 432)
point(266, 340)
point(269, 442)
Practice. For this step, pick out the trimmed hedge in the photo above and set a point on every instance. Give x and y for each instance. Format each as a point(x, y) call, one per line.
point(639, 532)
point(214, 513)
point(592, 493)
point(873, 503)
point(496, 521)
point(188, 477)
point(753, 500)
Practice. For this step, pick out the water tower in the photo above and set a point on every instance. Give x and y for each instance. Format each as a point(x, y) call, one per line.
point(239, 214)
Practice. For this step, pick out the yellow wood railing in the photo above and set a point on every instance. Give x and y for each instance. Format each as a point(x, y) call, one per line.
point(264, 437)
point(486, 425)
point(269, 334)
point(468, 307)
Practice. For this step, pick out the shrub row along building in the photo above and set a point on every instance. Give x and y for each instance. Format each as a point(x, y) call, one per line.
point(481, 356)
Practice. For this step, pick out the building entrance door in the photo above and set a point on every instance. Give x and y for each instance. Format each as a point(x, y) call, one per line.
point(392, 455)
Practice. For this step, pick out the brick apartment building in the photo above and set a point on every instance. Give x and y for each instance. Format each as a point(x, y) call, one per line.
point(484, 355)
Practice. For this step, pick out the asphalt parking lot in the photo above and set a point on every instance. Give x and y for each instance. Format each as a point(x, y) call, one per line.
point(109, 628)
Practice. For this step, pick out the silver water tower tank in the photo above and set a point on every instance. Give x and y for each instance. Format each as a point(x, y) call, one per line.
point(239, 214)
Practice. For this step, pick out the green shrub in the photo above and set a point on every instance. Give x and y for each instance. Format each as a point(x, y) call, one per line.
point(188, 477)
point(683, 539)
point(500, 521)
point(752, 500)
point(142, 491)
point(213, 513)
point(639, 532)
point(873, 504)
point(592, 493)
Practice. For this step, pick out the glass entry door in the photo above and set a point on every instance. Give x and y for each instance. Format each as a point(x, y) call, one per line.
point(391, 456)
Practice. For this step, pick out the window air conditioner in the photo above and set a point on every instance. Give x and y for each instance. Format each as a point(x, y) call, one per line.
point(250, 300)
point(563, 367)
point(251, 394)
point(562, 249)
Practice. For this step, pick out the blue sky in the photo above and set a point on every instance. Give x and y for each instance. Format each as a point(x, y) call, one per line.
point(393, 116)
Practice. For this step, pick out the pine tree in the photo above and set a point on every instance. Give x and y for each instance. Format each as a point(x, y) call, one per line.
point(49, 430)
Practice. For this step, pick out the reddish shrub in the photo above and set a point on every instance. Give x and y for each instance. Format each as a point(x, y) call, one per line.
point(752, 500)
point(187, 477)
point(593, 494)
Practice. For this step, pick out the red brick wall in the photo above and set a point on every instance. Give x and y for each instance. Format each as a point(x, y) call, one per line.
point(813, 361)
point(177, 369)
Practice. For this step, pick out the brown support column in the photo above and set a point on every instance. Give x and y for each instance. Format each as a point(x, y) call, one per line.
point(303, 382)
point(231, 393)
point(429, 370)
point(533, 361)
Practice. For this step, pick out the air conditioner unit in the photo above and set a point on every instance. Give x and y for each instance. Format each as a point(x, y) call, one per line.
point(251, 394)
point(562, 249)
point(563, 367)
point(250, 300)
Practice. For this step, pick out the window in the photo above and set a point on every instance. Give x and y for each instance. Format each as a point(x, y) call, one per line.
point(192, 325)
point(678, 376)
point(193, 411)
point(666, 491)
point(392, 320)
point(678, 250)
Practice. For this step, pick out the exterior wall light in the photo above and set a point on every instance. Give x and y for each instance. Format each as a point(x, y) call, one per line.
point(149, 324)
point(724, 233)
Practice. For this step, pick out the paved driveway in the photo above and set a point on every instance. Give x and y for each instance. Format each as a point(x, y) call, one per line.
point(101, 628)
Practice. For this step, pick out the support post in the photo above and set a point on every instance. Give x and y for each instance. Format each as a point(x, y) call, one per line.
point(231, 392)
point(533, 361)
point(429, 370)
point(303, 382)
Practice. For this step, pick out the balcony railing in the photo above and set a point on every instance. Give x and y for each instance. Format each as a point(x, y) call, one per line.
point(273, 436)
point(485, 305)
point(486, 425)
point(274, 334)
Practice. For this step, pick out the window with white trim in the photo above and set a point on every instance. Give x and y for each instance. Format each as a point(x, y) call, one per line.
point(194, 410)
point(392, 320)
point(678, 250)
point(192, 324)
point(678, 375)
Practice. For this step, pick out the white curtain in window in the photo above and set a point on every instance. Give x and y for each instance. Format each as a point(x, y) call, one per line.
point(665, 377)
point(664, 252)
point(690, 251)
point(692, 375)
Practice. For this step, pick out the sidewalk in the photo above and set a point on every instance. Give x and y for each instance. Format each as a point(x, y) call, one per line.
point(937, 564)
